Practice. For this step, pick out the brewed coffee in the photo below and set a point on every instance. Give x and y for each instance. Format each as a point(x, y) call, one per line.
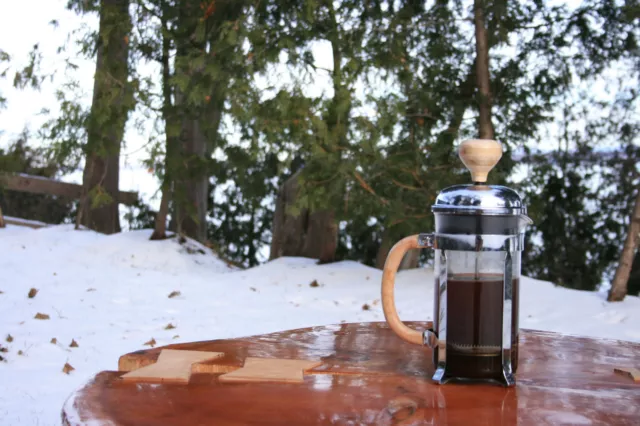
point(474, 327)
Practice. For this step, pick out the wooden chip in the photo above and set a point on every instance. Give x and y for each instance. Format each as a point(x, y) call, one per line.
point(270, 370)
point(173, 366)
point(634, 373)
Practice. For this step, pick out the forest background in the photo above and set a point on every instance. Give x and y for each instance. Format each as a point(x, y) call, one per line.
point(325, 129)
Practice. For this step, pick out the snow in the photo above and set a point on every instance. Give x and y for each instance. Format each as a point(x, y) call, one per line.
point(110, 295)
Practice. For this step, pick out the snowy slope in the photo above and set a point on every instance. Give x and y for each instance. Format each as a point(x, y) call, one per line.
point(110, 295)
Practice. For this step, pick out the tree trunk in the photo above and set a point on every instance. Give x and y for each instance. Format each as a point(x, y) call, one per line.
point(200, 118)
point(633, 285)
point(2, 224)
point(289, 230)
point(160, 228)
point(277, 227)
point(314, 234)
point(321, 239)
point(621, 278)
point(482, 72)
point(109, 112)
point(192, 213)
point(383, 250)
point(301, 233)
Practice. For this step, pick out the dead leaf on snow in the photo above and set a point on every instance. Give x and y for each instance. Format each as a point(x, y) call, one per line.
point(170, 326)
point(20, 353)
point(252, 289)
point(73, 344)
point(151, 342)
point(67, 368)
point(174, 294)
point(365, 307)
point(41, 316)
point(176, 336)
point(9, 338)
point(54, 341)
point(375, 302)
point(91, 289)
point(3, 349)
point(314, 283)
point(32, 293)
point(1, 291)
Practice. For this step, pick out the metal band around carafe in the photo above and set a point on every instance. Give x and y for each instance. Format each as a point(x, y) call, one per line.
point(473, 242)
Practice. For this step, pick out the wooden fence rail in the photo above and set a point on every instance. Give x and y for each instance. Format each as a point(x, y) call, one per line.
point(41, 185)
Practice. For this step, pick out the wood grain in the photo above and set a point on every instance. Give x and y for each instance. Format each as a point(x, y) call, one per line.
point(275, 370)
point(172, 366)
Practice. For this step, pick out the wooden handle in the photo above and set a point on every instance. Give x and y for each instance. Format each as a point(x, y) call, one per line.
point(388, 282)
point(480, 156)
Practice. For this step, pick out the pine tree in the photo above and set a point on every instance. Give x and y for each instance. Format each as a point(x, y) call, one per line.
point(112, 101)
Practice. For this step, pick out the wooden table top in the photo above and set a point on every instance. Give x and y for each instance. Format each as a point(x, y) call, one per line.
point(370, 376)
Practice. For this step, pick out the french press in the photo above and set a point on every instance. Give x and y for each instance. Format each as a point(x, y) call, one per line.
point(478, 240)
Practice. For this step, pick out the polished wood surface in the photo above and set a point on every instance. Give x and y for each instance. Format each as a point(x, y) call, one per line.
point(370, 376)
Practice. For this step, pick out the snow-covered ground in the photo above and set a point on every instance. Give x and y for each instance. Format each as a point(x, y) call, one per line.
point(110, 294)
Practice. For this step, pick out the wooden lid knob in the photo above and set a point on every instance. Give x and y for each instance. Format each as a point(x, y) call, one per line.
point(480, 156)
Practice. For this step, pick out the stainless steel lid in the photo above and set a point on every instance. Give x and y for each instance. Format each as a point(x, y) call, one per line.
point(479, 199)
point(480, 156)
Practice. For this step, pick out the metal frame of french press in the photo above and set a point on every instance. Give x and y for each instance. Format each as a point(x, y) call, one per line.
point(441, 243)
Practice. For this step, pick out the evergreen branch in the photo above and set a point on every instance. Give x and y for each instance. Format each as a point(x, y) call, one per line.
point(368, 188)
point(426, 114)
point(405, 219)
point(402, 185)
